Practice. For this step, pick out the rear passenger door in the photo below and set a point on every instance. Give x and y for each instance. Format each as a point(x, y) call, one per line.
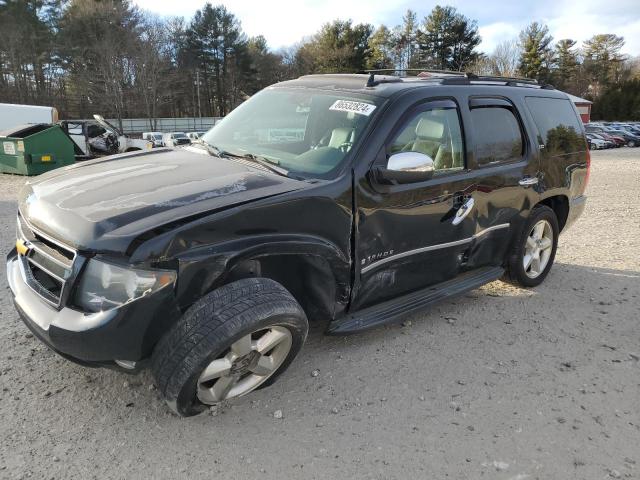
point(506, 170)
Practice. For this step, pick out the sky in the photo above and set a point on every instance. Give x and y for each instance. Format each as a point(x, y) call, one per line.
point(284, 23)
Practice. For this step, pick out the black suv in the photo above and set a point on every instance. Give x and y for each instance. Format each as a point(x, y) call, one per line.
point(351, 200)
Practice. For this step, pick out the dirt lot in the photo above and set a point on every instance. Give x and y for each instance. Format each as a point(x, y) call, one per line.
point(500, 384)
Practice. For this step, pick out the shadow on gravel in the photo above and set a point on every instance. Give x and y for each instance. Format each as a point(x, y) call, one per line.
point(489, 308)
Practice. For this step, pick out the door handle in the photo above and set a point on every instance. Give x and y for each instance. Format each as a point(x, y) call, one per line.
point(463, 211)
point(528, 181)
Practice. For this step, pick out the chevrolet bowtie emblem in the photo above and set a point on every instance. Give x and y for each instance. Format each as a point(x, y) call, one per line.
point(22, 247)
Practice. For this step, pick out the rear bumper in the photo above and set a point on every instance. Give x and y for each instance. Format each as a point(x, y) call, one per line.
point(94, 339)
point(576, 207)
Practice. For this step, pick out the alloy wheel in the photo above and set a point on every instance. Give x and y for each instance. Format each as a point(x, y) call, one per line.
point(538, 249)
point(248, 363)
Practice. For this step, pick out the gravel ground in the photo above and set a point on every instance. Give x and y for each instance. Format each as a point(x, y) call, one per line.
point(502, 383)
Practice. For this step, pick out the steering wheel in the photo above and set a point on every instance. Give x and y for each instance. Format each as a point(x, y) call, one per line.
point(345, 147)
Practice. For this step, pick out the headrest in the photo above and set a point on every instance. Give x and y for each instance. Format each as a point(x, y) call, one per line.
point(340, 135)
point(429, 129)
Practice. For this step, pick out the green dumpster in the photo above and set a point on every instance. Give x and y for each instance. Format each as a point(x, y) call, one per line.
point(34, 149)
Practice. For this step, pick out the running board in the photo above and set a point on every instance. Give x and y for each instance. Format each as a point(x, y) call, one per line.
point(397, 308)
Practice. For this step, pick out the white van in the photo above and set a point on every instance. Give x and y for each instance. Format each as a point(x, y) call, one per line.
point(174, 139)
point(12, 115)
point(195, 137)
point(154, 137)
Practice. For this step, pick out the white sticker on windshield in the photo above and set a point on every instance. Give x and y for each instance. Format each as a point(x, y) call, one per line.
point(355, 107)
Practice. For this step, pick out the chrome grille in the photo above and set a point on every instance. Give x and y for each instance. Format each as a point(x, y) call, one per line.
point(47, 265)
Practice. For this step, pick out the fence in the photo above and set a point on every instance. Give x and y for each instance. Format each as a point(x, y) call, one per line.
point(133, 126)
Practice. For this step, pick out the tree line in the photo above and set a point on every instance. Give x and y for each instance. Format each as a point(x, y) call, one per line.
point(110, 57)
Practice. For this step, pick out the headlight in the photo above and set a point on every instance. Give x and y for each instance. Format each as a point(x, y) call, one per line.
point(105, 286)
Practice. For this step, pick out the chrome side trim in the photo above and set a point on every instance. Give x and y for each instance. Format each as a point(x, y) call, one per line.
point(433, 247)
point(491, 229)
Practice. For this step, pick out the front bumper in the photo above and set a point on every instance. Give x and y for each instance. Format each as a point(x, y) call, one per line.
point(128, 332)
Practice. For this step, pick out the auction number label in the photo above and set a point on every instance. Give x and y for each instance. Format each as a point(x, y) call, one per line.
point(360, 108)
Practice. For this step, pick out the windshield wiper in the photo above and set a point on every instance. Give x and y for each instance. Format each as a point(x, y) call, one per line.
point(271, 165)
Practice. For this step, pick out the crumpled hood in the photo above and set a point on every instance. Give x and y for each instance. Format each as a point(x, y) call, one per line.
point(103, 205)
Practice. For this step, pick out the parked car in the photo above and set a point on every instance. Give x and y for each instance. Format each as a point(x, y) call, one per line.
point(175, 139)
point(97, 138)
point(596, 142)
point(195, 136)
point(614, 139)
point(629, 138)
point(397, 194)
point(154, 137)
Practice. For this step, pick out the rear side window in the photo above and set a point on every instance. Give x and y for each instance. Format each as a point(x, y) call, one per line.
point(497, 134)
point(559, 128)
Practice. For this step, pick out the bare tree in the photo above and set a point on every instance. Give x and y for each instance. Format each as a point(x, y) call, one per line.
point(152, 61)
point(505, 58)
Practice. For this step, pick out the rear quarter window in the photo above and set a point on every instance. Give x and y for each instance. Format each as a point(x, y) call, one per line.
point(559, 128)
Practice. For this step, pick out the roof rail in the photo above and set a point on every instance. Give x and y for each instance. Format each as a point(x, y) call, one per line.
point(450, 77)
point(372, 82)
point(419, 70)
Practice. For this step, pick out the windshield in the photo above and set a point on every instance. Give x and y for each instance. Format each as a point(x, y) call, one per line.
point(308, 132)
point(157, 136)
point(179, 135)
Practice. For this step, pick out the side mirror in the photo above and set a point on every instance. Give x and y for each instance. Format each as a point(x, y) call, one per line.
point(406, 167)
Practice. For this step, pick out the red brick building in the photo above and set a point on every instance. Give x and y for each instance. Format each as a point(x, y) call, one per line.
point(583, 106)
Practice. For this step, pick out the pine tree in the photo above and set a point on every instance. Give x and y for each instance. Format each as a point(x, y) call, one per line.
point(448, 40)
point(566, 65)
point(381, 45)
point(536, 52)
point(603, 61)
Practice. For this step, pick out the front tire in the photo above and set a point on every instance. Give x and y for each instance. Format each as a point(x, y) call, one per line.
point(534, 251)
point(232, 341)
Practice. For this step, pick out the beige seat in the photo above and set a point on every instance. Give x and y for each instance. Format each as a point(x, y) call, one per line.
point(340, 136)
point(433, 139)
point(428, 140)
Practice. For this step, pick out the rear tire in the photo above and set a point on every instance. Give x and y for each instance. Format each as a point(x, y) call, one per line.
point(208, 335)
point(522, 259)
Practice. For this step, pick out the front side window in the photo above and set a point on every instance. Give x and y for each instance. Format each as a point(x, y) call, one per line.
point(306, 131)
point(434, 132)
point(498, 137)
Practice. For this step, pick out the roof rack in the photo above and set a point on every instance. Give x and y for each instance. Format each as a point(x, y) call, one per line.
point(450, 77)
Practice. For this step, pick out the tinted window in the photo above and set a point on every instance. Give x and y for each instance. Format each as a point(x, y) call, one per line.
point(434, 132)
point(560, 129)
point(497, 134)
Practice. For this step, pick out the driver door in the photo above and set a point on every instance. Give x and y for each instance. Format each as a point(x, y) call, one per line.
point(411, 234)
